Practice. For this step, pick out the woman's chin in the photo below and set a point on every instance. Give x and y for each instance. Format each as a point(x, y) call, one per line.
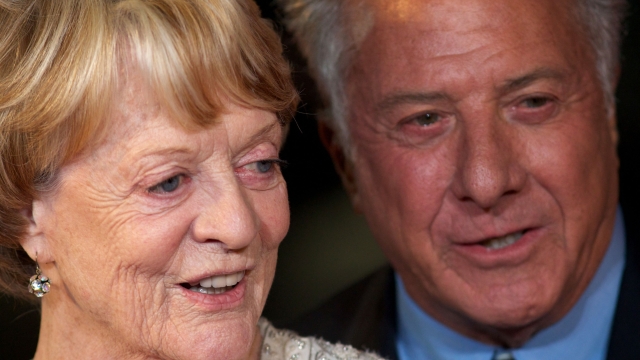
point(224, 339)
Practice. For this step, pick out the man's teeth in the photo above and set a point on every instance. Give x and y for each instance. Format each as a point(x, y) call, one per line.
point(503, 241)
point(218, 284)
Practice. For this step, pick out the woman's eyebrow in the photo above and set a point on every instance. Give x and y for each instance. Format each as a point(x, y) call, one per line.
point(145, 160)
point(266, 130)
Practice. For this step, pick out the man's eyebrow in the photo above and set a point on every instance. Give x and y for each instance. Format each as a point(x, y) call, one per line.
point(395, 99)
point(526, 80)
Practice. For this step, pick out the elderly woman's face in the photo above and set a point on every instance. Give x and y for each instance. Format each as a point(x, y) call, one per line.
point(165, 239)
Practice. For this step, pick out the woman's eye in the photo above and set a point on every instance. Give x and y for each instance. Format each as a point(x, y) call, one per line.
point(167, 186)
point(426, 119)
point(266, 166)
point(261, 174)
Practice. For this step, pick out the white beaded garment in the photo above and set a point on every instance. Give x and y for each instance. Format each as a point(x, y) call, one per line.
point(287, 345)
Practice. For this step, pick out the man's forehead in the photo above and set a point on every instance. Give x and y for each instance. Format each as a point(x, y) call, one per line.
point(470, 12)
point(455, 48)
point(400, 10)
point(451, 27)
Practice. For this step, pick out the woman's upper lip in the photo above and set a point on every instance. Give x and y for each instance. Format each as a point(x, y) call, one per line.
point(196, 279)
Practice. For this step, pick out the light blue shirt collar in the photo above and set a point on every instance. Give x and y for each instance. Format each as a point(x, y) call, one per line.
point(583, 334)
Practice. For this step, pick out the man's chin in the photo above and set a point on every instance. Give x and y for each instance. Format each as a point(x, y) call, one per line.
point(504, 315)
point(510, 323)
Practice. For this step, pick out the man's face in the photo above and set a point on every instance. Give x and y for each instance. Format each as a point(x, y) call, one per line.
point(484, 159)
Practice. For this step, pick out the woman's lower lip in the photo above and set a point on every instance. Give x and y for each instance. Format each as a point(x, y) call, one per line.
point(216, 302)
point(511, 255)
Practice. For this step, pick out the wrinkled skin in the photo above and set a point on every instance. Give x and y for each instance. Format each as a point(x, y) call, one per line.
point(471, 120)
point(116, 246)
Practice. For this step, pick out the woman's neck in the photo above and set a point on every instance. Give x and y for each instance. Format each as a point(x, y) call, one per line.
point(65, 332)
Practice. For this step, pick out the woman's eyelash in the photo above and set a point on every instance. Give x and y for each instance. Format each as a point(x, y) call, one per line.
point(266, 165)
point(172, 183)
point(281, 163)
point(168, 185)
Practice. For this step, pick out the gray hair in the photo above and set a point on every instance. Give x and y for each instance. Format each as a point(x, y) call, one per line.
point(602, 21)
point(321, 31)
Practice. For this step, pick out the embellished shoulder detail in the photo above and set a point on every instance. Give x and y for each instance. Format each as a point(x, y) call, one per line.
point(287, 345)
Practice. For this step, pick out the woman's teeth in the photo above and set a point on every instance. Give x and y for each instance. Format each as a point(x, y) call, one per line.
point(218, 284)
point(503, 241)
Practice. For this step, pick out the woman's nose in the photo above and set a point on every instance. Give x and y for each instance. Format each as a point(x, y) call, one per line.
point(228, 216)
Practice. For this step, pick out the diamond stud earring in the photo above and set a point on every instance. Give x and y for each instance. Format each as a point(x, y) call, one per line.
point(39, 284)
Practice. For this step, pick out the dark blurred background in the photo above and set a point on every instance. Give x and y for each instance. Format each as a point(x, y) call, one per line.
point(328, 246)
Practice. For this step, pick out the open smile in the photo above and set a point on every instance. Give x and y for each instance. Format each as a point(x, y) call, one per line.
point(501, 242)
point(218, 284)
point(509, 249)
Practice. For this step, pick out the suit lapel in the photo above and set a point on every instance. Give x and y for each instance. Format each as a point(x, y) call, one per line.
point(624, 341)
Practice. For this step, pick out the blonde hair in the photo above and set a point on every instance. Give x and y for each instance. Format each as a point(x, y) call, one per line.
point(59, 67)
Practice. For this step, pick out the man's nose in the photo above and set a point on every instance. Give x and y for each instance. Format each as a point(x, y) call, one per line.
point(228, 216)
point(488, 165)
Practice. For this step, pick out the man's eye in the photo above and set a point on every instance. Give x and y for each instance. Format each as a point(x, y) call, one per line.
point(534, 109)
point(426, 119)
point(535, 102)
point(167, 186)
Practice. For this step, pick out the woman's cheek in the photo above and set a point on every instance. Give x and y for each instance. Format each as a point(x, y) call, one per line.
point(273, 208)
point(147, 242)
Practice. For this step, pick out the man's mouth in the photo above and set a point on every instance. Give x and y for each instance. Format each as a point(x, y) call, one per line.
point(502, 241)
point(218, 284)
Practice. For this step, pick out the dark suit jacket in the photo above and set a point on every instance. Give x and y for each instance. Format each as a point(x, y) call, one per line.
point(364, 315)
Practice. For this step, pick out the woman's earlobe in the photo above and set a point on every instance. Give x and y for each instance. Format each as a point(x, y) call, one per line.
point(34, 240)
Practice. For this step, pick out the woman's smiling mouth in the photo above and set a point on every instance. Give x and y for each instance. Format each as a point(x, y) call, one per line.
point(217, 284)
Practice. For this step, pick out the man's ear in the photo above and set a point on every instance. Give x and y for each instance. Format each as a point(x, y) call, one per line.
point(613, 126)
point(34, 242)
point(611, 111)
point(342, 163)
